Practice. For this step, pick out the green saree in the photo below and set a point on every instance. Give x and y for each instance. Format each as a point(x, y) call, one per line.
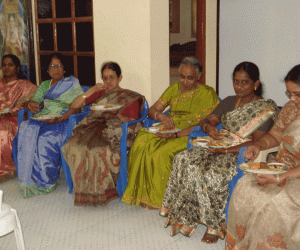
point(150, 158)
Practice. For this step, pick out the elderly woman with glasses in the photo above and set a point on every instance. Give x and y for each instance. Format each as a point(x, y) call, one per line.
point(93, 152)
point(151, 155)
point(38, 140)
point(264, 208)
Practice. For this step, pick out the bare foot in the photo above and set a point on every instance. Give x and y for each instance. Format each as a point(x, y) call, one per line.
point(209, 239)
point(148, 207)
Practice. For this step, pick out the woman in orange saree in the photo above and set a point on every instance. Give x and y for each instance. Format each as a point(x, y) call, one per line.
point(14, 92)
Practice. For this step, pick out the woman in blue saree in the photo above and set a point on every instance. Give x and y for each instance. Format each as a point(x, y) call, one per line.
point(38, 140)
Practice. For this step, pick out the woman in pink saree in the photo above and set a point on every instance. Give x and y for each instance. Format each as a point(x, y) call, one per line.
point(264, 210)
point(14, 92)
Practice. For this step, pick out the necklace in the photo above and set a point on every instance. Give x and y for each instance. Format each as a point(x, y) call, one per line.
point(238, 102)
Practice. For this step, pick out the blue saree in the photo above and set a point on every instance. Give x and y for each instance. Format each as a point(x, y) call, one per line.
point(38, 158)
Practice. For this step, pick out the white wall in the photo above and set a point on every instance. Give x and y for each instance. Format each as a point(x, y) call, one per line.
point(134, 34)
point(211, 42)
point(264, 32)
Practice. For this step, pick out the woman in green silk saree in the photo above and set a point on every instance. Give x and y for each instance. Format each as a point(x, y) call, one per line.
point(151, 155)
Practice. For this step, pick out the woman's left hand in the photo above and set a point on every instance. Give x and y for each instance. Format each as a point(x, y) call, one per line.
point(166, 136)
point(52, 121)
point(217, 150)
point(265, 179)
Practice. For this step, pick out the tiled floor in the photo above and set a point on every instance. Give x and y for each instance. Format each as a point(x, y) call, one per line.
point(53, 222)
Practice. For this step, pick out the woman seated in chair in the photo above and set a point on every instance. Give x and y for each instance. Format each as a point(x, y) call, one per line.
point(38, 139)
point(14, 93)
point(151, 155)
point(197, 190)
point(264, 209)
point(93, 152)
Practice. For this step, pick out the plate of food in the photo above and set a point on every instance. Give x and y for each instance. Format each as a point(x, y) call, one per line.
point(199, 141)
point(45, 117)
point(106, 107)
point(263, 168)
point(159, 128)
point(4, 111)
point(224, 143)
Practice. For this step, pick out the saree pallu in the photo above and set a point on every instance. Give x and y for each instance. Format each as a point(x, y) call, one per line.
point(38, 158)
point(197, 190)
point(268, 217)
point(12, 95)
point(93, 152)
point(150, 157)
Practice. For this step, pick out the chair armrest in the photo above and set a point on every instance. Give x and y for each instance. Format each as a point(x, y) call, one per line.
point(74, 120)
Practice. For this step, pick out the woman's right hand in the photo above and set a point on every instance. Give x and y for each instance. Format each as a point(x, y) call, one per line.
point(99, 87)
point(167, 121)
point(213, 132)
point(252, 152)
point(33, 106)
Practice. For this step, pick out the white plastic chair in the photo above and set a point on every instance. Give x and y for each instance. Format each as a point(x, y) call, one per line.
point(9, 221)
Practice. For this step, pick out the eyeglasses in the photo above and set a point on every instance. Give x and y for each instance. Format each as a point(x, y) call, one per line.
point(111, 78)
point(289, 95)
point(56, 66)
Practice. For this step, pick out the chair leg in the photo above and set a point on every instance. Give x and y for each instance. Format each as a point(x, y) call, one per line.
point(18, 232)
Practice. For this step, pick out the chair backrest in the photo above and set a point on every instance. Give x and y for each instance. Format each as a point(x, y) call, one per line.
point(85, 88)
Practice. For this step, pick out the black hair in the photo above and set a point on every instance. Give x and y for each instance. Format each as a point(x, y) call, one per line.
point(60, 57)
point(17, 62)
point(113, 66)
point(294, 75)
point(253, 72)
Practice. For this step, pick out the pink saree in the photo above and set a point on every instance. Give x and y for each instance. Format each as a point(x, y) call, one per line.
point(12, 96)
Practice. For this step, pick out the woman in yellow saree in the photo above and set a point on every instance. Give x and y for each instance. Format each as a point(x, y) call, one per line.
point(151, 155)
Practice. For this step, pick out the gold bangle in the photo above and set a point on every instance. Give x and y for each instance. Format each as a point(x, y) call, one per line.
point(277, 177)
point(203, 128)
point(226, 151)
point(84, 96)
point(155, 115)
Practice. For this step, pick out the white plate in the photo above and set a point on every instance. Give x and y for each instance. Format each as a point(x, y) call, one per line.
point(102, 107)
point(155, 130)
point(245, 166)
point(45, 117)
point(4, 111)
point(195, 144)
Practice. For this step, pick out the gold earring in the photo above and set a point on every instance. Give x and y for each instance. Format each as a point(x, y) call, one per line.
point(255, 88)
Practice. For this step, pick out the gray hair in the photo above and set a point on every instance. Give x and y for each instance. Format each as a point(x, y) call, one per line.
point(194, 62)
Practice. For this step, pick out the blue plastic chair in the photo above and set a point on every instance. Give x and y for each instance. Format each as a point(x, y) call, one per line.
point(71, 125)
point(122, 179)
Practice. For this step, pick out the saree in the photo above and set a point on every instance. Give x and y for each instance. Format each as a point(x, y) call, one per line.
point(197, 190)
point(38, 158)
point(268, 217)
point(12, 95)
point(150, 157)
point(93, 152)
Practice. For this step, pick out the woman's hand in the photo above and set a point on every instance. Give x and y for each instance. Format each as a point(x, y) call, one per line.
point(99, 87)
point(252, 152)
point(213, 132)
point(217, 150)
point(166, 136)
point(54, 120)
point(167, 121)
point(33, 106)
point(265, 179)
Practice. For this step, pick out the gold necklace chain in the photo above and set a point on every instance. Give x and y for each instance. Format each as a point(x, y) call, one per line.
point(238, 102)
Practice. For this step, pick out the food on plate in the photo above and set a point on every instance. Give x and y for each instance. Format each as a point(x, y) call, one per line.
point(108, 106)
point(258, 165)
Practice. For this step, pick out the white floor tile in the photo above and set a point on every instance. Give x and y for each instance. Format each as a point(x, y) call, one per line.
point(53, 222)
